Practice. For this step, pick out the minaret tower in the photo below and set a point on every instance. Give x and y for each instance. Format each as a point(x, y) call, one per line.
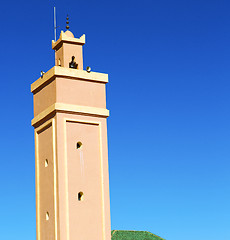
point(72, 183)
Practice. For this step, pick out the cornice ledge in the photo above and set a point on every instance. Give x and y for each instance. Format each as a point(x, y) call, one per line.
point(69, 108)
point(69, 73)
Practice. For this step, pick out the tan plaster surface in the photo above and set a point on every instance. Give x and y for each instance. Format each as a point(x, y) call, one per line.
point(66, 47)
point(60, 107)
point(68, 38)
point(64, 86)
point(68, 73)
point(70, 107)
point(69, 127)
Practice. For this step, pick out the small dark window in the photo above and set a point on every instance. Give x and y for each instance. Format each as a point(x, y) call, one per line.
point(73, 64)
point(79, 145)
point(80, 196)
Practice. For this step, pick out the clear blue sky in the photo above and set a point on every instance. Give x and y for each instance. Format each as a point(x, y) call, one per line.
point(169, 130)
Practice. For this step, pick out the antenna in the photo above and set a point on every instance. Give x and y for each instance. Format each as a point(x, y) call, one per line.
point(55, 26)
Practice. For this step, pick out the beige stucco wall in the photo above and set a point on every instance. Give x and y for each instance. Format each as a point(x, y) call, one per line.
point(70, 107)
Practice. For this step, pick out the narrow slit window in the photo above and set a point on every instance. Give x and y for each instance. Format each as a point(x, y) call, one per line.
point(47, 216)
point(46, 163)
point(80, 196)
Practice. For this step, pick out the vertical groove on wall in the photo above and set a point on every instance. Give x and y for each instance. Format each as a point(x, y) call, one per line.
point(66, 181)
point(37, 185)
point(102, 183)
point(55, 176)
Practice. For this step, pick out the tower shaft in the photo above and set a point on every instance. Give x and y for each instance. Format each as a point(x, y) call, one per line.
point(72, 183)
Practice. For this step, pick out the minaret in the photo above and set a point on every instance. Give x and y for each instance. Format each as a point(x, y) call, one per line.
point(72, 183)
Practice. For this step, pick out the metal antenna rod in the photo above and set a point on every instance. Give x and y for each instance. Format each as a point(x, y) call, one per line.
point(55, 26)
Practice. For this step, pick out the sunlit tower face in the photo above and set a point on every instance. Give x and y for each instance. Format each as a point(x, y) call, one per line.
point(72, 186)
